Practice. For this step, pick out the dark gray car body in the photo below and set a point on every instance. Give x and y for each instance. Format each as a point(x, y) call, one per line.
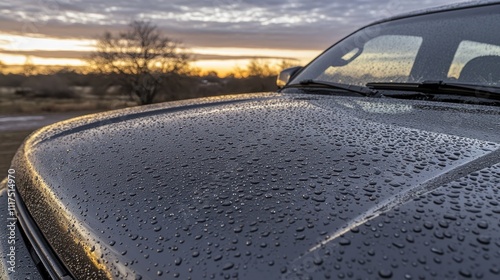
point(271, 186)
point(267, 185)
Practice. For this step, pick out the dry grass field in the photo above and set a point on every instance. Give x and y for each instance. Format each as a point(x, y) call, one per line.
point(12, 103)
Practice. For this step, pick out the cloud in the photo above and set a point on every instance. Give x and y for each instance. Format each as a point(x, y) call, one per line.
point(288, 24)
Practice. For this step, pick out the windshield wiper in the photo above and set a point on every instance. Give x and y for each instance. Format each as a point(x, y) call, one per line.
point(350, 88)
point(442, 88)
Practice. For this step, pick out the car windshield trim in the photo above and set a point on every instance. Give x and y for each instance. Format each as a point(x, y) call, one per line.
point(442, 88)
point(365, 91)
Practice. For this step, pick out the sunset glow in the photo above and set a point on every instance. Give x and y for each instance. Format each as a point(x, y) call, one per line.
point(220, 34)
point(29, 43)
point(46, 51)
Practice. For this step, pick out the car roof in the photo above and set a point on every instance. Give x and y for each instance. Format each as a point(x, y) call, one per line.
point(444, 8)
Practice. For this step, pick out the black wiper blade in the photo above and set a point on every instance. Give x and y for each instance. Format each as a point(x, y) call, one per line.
point(442, 88)
point(350, 88)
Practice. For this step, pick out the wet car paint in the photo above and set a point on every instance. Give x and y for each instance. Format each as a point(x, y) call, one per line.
point(270, 185)
point(24, 267)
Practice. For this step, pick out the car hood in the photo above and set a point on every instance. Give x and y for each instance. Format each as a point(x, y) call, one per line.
point(246, 186)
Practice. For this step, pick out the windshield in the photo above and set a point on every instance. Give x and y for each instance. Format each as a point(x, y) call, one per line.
point(461, 46)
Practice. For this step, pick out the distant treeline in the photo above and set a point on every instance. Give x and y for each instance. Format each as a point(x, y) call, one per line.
point(68, 84)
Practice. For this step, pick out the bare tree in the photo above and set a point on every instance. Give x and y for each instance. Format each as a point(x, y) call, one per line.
point(142, 57)
point(259, 68)
point(28, 67)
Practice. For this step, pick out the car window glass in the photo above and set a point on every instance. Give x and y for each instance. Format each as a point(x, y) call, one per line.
point(383, 58)
point(468, 50)
point(457, 45)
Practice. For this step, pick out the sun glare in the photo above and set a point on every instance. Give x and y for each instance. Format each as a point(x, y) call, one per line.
point(222, 67)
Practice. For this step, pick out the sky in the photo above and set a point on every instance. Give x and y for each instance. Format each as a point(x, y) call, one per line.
point(221, 34)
